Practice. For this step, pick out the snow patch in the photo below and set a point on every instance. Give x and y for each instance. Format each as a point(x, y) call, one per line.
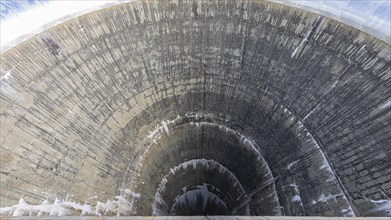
point(292, 164)
point(165, 127)
point(382, 205)
point(362, 48)
point(295, 187)
point(323, 198)
point(119, 206)
point(6, 76)
point(155, 134)
point(334, 84)
point(386, 105)
point(296, 198)
point(299, 47)
point(310, 33)
point(310, 113)
point(347, 212)
point(129, 192)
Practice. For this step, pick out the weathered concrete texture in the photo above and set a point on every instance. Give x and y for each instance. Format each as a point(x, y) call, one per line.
point(295, 105)
point(197, 218)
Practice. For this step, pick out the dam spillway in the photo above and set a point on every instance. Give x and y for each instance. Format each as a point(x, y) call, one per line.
point(197, 108)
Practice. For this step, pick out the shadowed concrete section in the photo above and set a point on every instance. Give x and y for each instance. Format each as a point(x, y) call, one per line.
point(200, 218)
point(295, 106)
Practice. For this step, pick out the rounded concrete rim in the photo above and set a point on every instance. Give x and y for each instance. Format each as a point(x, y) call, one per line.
point(370, 17)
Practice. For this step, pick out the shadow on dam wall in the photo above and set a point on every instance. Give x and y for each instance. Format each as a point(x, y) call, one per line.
point(197, 108)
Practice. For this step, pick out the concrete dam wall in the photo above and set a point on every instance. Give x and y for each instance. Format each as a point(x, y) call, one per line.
point(197, 108)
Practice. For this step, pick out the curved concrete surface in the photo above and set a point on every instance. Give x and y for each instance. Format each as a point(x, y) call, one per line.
point(157, 107)
point(195, 218)
point(22, 19)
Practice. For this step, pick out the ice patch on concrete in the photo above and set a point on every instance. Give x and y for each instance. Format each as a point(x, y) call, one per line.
point(296, 198)
point(347, 212)
point(162, 128)
point(292, 164)
point(386, 105)
point(129, 192)
point(323, 198)
point(119, 206)
point(382, 205)
point(6, 76)
point(300, 48)
point(362, 48)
